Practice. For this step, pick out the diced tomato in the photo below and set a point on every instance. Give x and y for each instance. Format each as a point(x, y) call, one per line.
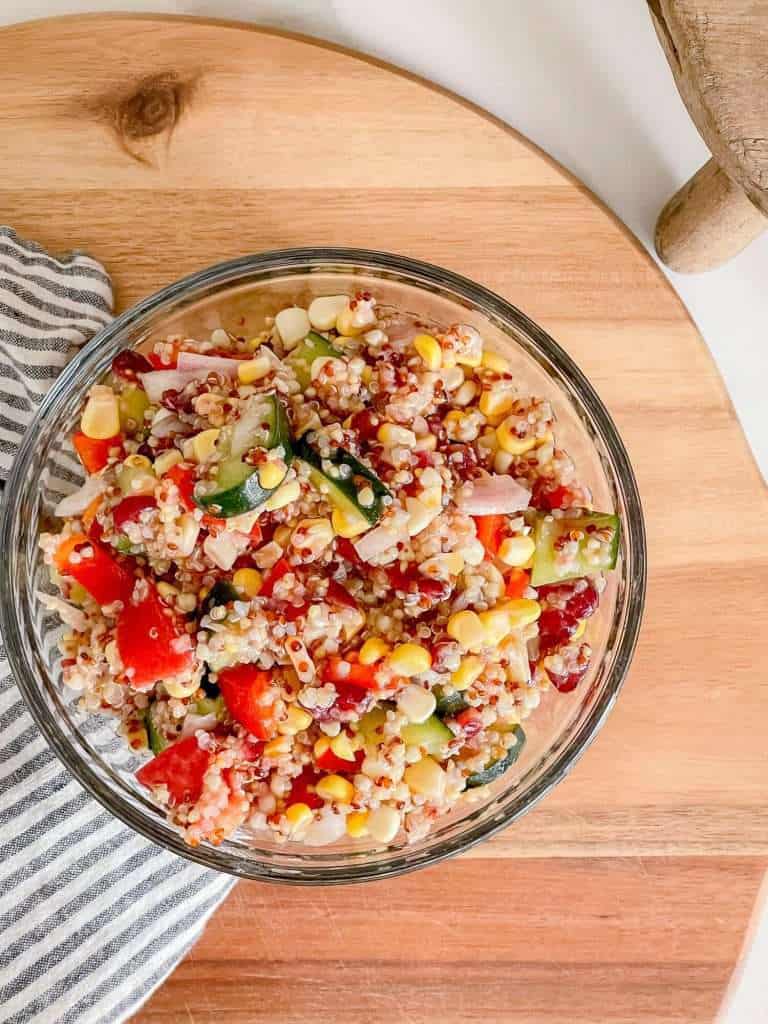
point(329, 762)
point(168, 361)
point(348, 698)
point(303, 790)
point(256, 534)
point(347, 551)
point(470, 720)
point(490, 532)
point(341, 670)
point(281, 567)
point(181, 767)
point(94, 454)
point(546, 497)
point(183, 475)
point(292, 612)
point(213, 522)
point(94, 568)
point(152, 642)
point(250, 695)
point(129, 509)
point(516, 583)
point(339, 595)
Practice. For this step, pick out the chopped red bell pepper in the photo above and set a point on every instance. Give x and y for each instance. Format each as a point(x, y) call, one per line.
point(281, 567)
point(341, 670)
point(336, 594)
point(183, 475)
point(303, 790)
point(181, 767)
point(250, 695)
point(129, 509)
point(152, 642)
point(347, 551)
point(516, 582)
point(213, 522)
point(256, 534)
point(491, 531)
point(292, 612)
point(158, 361)
point(94, 454)
point(330, 762)
point(90, 563)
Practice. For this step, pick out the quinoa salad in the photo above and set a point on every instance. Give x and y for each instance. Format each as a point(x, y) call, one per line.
point(321, 577)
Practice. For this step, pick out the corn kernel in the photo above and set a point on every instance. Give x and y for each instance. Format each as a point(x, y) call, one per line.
point(416, 703)
point(296, 720)
point(278, 746)
point(283, 496)
point(175, 688)
point(496, 402)
point(426, 443)
point(292, 325)
point(347, 525)
point(419, 516)
point(324, 310)
point(432, 497)
point(496, 625)
point(442, 566)
point(167, 590)
point(373, 650)
point(101, 415)
point(470, 668)
point(321, 745)
point(357, 824)
point(335, 787)
point(510, 441)
point(204, 444)
point(312, 535)
point(251, 370)
point(366, 374)
point(429, 350)
point(247, 582)
point(580, 630)
point(409, 660)
point(521, 612)
point(341, 746)
point(352, 322)
point(467, 629)
point(384, 823)
point(425, 777)
point(282, 534)
point(167, 460)
point(452, 419)
point(271, 475)
point(516, 551)
point(466, 393)
point(493, 361)
point(390, 434)
point(298, 815)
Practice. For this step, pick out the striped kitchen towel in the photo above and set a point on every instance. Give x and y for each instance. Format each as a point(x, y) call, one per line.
point(92, 916)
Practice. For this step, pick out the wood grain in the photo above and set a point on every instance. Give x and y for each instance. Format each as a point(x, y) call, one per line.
point(162, 145)
point(716, 50)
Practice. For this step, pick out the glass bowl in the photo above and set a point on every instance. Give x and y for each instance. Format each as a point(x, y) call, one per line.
point(237, 295)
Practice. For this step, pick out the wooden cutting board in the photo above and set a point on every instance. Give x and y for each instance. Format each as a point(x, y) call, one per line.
point(161, 145)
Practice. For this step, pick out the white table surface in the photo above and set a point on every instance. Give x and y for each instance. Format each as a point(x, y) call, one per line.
point(553, 69)
point(587, 81)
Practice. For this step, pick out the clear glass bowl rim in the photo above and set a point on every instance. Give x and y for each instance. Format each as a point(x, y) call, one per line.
point(317, 260)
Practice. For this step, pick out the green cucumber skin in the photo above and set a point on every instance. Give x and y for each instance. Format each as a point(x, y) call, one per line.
point(433, 735)
point(345, 489)
point(448, 706)
point(544, 570)
point(497, 768)
point(249, 494)
point(157, 742)
point(222, 592)
point(313, 347)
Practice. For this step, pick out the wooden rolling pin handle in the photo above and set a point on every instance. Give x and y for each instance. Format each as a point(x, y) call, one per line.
point(706, 223)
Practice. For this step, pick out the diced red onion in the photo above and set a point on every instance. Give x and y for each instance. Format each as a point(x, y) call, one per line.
point(166, 423)
point(68, 614)
point(194, 722)
point(207, 364)
point(80, 499)
point(375, 542)
point(160, 381)
point(495, 495)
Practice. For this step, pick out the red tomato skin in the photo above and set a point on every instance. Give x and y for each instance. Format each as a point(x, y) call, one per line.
point(243, 688)
point(93, 454)
point(181, 768)
point(129, 509)
point(145, 639)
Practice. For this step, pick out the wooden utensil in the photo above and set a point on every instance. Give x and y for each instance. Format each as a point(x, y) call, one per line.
point(717, 52)
point(165, 144)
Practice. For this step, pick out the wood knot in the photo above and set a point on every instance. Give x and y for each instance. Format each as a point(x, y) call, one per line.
point(155, 107)
point(144, 119)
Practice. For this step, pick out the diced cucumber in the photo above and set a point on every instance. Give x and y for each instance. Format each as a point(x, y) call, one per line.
point(211, 706)
point(237, 486)
point(432, 735)
point(565, 549)
point(157, 742)
point(451, 704)
point(313, 347)
point(371, 724)
point(342, 477)
point(497, 768)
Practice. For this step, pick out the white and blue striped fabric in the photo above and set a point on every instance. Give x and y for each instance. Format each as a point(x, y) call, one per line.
point(93, 917)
